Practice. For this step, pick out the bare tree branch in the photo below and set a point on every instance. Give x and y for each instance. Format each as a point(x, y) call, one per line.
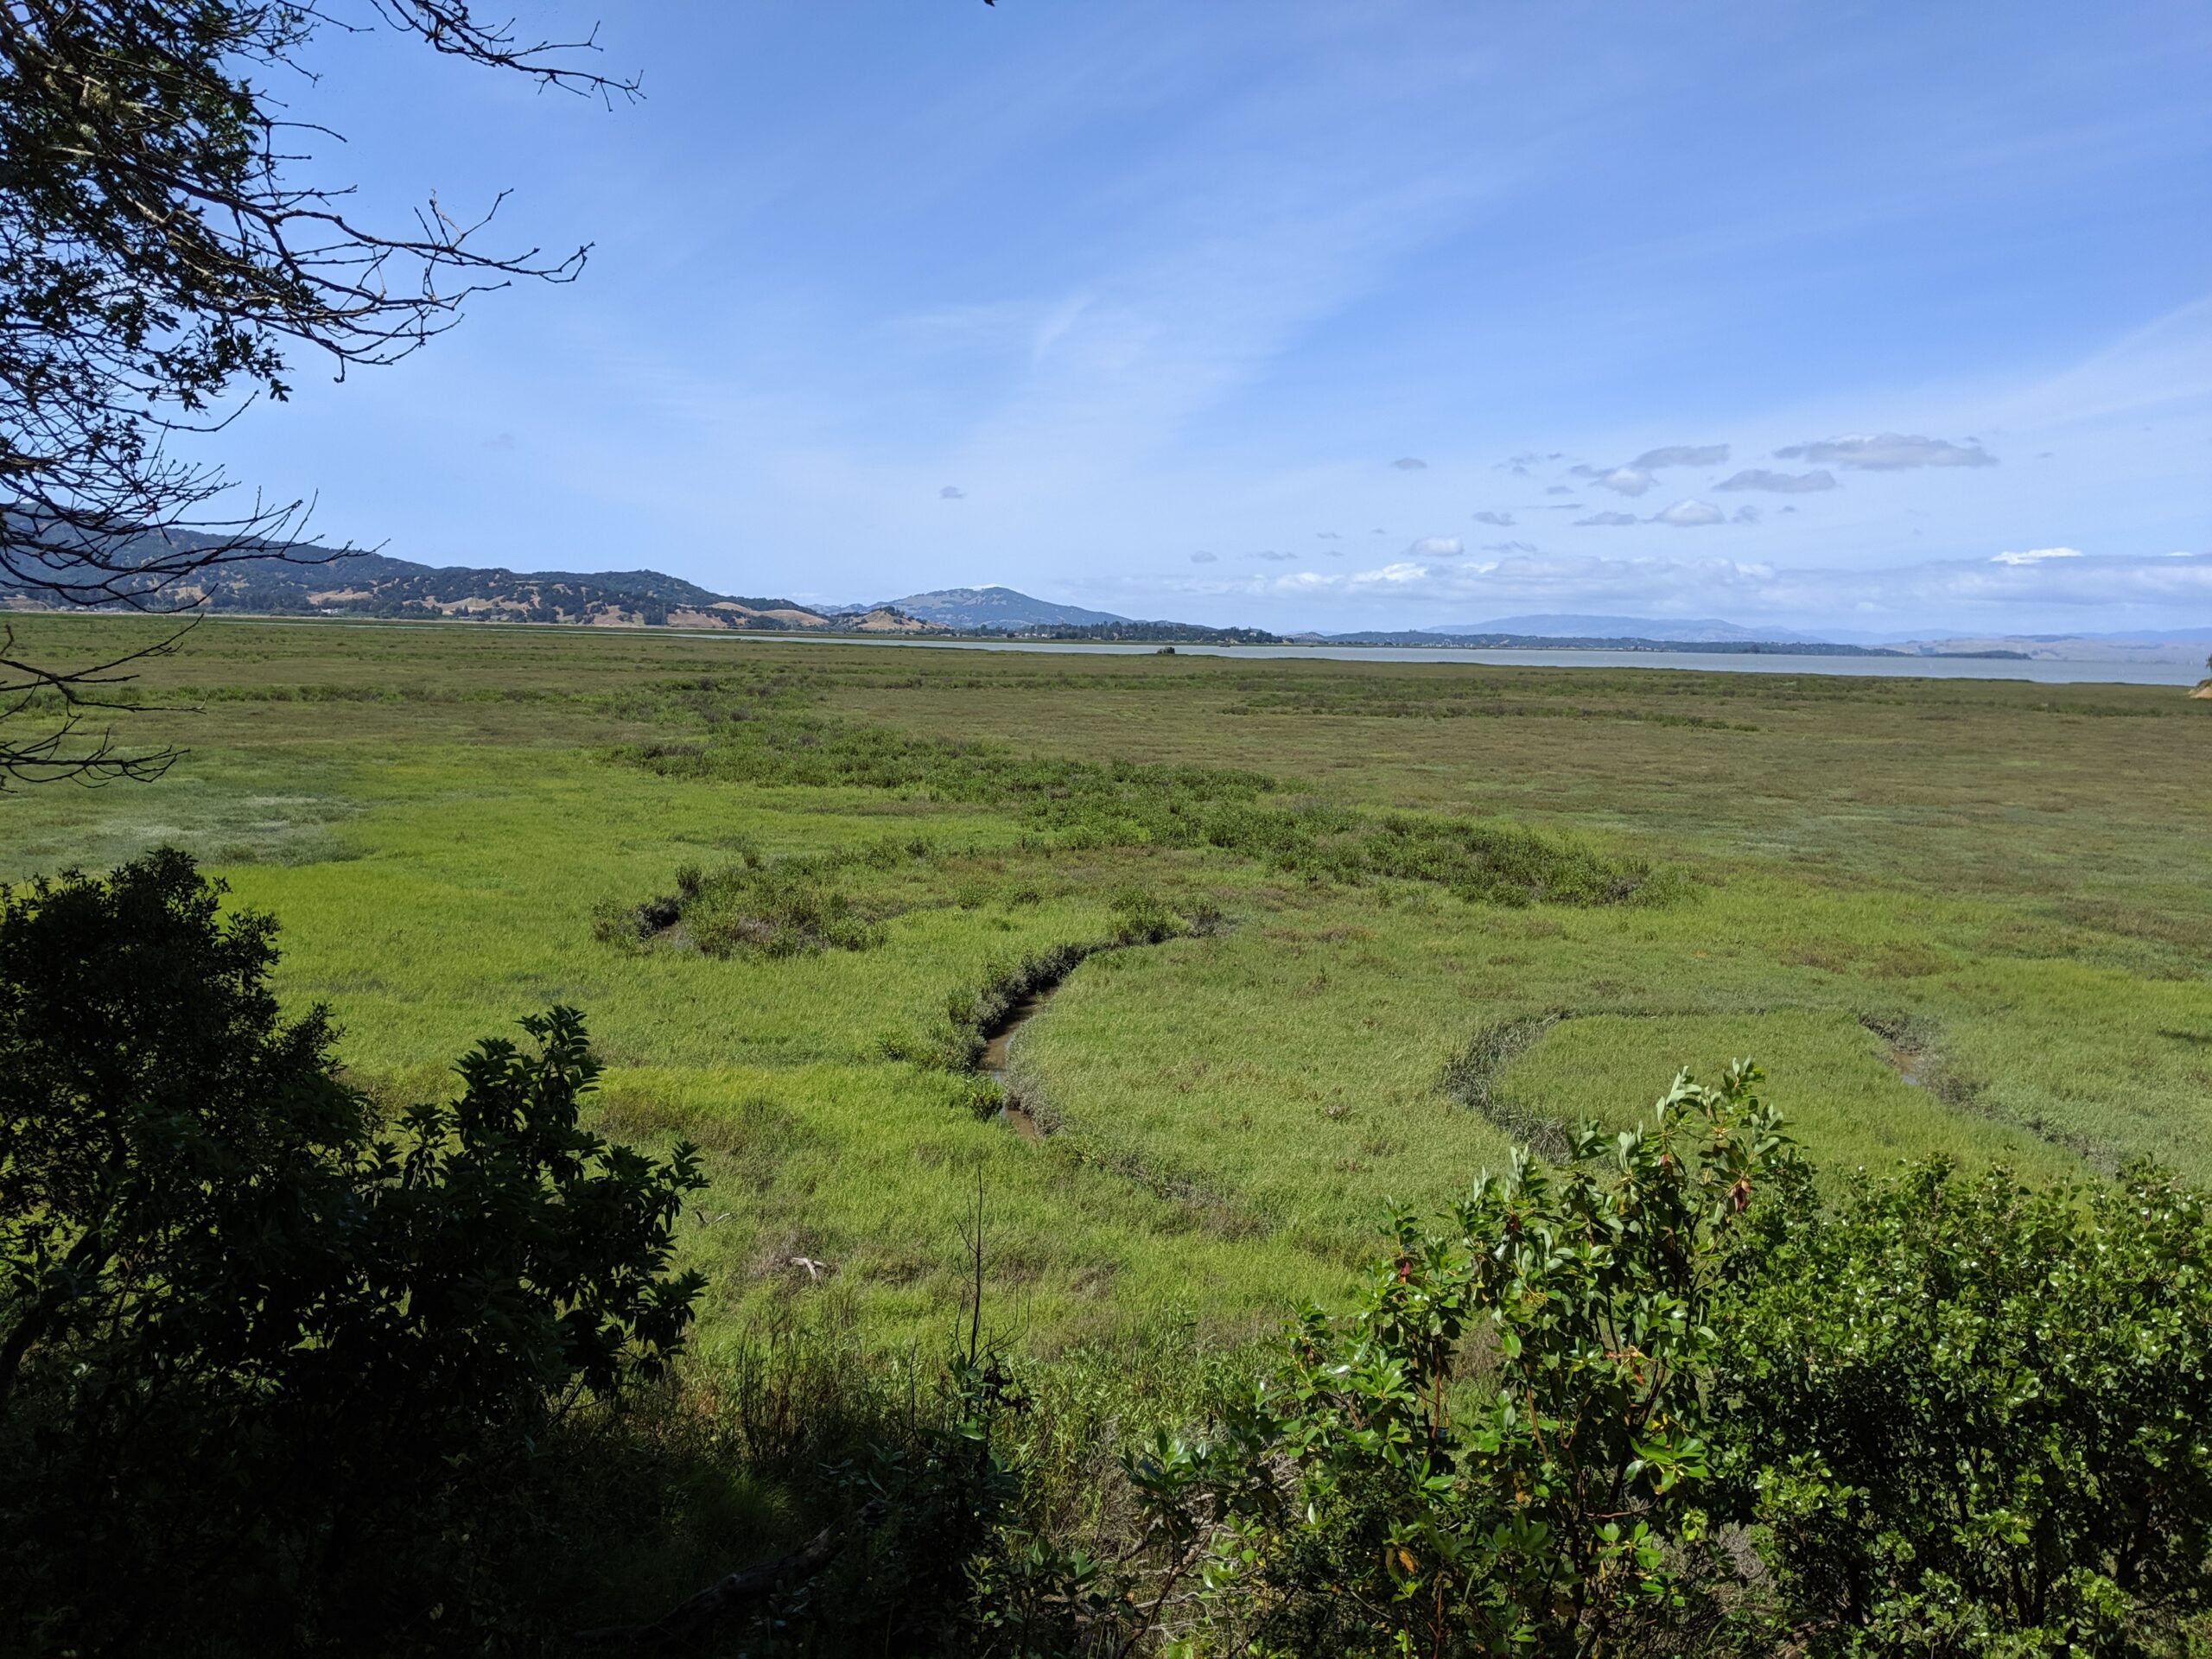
point(158, 261)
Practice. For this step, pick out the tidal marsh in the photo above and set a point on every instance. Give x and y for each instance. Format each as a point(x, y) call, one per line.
point(1654, 867)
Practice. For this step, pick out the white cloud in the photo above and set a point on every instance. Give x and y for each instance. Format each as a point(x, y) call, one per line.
point(1745, 514)
point(1437, 547)
point(1410, 464)
point(1682, 454)
point(1977, 592)
point(1689, 515)
point(1402, 575)
point(2037, 555)
point(1622, 480)
point(952, 493)
point(1606, 518)
point(1508, 547)
point(1206, 558)
point(1763, 478)
point(1503, 520)
point(1888, 452)
point(1269, 553)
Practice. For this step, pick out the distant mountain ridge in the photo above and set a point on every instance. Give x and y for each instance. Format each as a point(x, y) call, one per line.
point(1004, 610)
point(996, 607)
point(317, 582)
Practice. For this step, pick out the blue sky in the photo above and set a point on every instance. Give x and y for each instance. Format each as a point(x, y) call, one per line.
point(1882, 319)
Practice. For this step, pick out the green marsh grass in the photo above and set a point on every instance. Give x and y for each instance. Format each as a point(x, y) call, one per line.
point(2013, 874)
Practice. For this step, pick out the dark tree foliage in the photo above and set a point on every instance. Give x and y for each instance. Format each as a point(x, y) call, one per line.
point(159, 261)
point(264, 1355)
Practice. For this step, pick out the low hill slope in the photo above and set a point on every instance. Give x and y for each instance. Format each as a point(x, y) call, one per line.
point(971, 609)
point(313, 581)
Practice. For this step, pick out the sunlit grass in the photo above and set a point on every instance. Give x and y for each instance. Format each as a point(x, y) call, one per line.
point(2014, 876)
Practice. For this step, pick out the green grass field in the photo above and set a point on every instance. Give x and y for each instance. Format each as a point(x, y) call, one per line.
point(1973, 918)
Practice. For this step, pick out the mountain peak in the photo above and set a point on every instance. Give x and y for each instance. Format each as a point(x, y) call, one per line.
point(996, 607)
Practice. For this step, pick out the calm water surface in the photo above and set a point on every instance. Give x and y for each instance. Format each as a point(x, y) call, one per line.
point(2186, 673)
point(1925, 668)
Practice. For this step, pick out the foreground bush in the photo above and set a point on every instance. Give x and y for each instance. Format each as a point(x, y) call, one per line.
point(1505, 1450)
point(1665, 1399)
point(1969, 1417)
point(266, 1358)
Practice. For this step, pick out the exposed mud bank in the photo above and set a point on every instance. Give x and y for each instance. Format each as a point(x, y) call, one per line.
point(996, 1042)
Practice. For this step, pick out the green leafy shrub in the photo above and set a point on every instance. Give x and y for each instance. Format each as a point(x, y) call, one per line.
point(266, 1361)
point(1504, 1448)
point(1666, 1399)
point(1142, 917)
point(1972, 1418)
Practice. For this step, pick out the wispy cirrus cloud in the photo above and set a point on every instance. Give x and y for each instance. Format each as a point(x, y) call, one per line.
point(1503, 520)
point(1689, 515)
point(1764, 478)
point(1888, 452)
point(1991, 590)
point(1681, 455)
point(1609, 521)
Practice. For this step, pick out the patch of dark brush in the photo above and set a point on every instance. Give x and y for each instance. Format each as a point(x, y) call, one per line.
point(760, 907)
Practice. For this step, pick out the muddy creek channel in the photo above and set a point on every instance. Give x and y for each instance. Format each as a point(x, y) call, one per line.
point(997, 1040)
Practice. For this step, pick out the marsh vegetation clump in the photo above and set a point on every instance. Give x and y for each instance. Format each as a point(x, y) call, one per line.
point(1506, 864)
point(761, 908)
point(1083, 805)
point(787, 909)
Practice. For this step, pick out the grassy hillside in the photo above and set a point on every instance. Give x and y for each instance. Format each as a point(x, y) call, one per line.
point(1421, 909)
